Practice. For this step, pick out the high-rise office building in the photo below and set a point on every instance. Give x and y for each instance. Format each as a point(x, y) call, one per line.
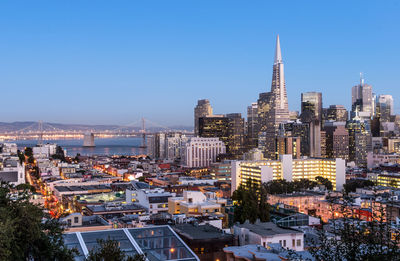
point(166, 145)
point(203, 109)
point(337, 113)
point(297, 129)
point(337, 140)
point(293, 115)
point(174, 145)
point(229, 129)
point(362, 101)
point(384, 107)
point(252, 126)
point(156, 145)
point(323, 144)
point(273, 107)
point(236, 138)
point(312, 102)
point(360, 141)
point(288, 145)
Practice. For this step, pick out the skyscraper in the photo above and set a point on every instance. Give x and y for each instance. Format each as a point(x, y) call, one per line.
point(384, 108)
point(360, 141)
point(337, 140)
point(252, 126)
point(229, 129)
point(337, 113)
point(203, 109)
point(273, 106)
point(312, 102)
point(362, 101)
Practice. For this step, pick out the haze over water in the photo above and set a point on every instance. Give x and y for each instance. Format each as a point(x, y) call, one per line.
point(108, 146)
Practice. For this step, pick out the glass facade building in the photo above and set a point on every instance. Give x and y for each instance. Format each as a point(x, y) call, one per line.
point(156, 243)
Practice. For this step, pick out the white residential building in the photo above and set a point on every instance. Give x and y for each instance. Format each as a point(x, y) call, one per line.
point(264, 233)
point(197, 203)
point(11, 170)
point(9, 148)
point(44, 151)
point(155, 200)
point(201, 152)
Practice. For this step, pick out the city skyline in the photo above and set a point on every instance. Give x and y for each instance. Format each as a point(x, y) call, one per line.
point(65, 59)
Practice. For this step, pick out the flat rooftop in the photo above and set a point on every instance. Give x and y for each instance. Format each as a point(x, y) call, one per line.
point(267, 229)
point(200, 232)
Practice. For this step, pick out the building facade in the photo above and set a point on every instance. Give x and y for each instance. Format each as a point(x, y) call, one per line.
point(289, 169)
point(203, 109)
point(202, 152)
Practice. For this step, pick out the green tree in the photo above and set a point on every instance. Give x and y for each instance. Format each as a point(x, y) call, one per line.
point(282, 186)
point(352, 184)
point(109, 250)
point(59, 154)
point(324, 181)
point(250, 203)
point(21, 156)
point(26, 231)
point(28, 152)
point(31, 159)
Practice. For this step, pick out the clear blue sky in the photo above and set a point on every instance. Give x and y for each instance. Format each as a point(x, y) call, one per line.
point(112, 62)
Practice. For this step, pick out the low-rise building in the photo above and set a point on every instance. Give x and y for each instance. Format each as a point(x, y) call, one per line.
point(206, 241)
point(12, 170)
point(305, 202)
point(264, 233)
point(272, 252)
point(377, 159)
point(196, 203)
point(155, 200)
point(115, 209)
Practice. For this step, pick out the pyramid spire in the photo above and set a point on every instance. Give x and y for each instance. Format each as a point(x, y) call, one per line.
point(278, 55)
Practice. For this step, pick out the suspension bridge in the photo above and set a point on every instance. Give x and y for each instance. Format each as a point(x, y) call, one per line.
point(45, 131)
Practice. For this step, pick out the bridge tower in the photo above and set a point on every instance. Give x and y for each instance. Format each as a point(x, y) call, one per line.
point(88, 139)
point(143, 134)
point(40, 129)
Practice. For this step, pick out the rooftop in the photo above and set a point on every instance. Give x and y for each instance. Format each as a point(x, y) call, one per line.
point(200, 231)
point(267, 228)
point(9, 176)
point(274, 252)
point(157, 243)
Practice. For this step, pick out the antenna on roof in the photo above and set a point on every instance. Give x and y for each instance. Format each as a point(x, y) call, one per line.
point(361, 79)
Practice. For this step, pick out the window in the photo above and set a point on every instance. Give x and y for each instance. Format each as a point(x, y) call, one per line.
point(76, 220)
point(280, 242)
point(264, 244)
point(298, 242)
point(284, 243)
point(293, 242)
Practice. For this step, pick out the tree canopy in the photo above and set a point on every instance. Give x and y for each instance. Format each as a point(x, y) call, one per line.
point(282, 186)
point(352, 184)
point(251, 203)
point(26, 232)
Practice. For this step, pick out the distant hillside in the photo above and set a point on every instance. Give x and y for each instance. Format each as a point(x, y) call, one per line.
point(47, 126)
